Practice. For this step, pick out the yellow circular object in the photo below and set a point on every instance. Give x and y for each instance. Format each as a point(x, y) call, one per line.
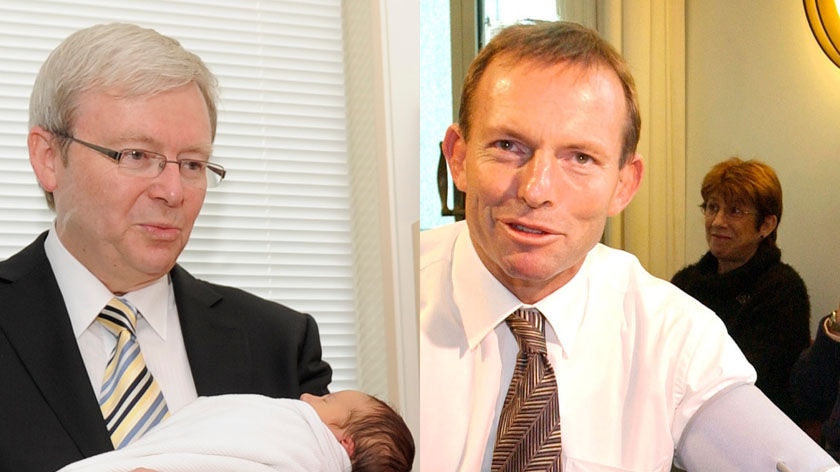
point(824, 20)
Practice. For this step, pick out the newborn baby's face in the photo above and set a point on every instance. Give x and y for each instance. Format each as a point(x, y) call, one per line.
point(335, 408)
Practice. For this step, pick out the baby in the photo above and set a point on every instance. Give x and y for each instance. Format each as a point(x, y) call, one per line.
point(343, 431)
point(374, 436)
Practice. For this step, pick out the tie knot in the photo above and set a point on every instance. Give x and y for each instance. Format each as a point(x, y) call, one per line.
point(118, 315)
point(528, 327)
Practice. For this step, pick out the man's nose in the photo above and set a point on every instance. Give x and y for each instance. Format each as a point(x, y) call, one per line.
point(537, 179)
point(169, 185)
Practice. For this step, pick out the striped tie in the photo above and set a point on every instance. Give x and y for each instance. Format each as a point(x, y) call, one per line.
point(528, 438)
point(130, 399)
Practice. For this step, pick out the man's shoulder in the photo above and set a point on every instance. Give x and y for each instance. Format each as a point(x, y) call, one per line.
point(31, 257)
point(618, 267)
point(436, 244)
point(623, 273)
point(606, 254)
point(225, 298)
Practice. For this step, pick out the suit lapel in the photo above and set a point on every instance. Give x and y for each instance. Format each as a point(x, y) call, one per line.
point(216, 345)
point(38, 327)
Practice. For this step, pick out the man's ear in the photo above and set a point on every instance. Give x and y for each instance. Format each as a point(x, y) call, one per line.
point(454, 148)
point(629, 179)
point(348, 444)
point(44, 156)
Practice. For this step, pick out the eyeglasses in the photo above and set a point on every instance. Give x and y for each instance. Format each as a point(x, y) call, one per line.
point(733, 213)
point(195, 172)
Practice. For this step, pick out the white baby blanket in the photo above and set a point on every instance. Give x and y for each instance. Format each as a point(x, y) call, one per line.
point(235, 433)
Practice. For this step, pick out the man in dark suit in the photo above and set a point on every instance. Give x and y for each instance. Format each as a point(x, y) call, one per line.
point(111, 108)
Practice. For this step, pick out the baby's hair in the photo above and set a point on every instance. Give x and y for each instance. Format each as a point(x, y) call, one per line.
point(382, 441)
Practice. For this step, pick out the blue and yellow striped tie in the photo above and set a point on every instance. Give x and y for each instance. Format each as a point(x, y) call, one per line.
point(130, 399)
point(528, 437)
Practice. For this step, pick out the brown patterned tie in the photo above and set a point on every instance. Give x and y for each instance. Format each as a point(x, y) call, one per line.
point(528, 438)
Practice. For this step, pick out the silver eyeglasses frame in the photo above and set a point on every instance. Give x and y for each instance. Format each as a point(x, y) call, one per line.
point(213, 177)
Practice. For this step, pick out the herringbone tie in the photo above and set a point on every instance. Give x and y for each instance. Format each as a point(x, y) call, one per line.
point(130, 399)
point(528, 438)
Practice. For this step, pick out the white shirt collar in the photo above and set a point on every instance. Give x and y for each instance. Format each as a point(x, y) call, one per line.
point(565, 309)
point(481, 299)
point(85, 295)
point(484, 302)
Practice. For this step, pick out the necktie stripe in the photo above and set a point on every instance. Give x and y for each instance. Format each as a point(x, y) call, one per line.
point(118, 370)
point(121, 406)
point(154, 415)
point(118, 314)
point(130, 399)
point(150, 409)
point(528, 437)
point(115, 323)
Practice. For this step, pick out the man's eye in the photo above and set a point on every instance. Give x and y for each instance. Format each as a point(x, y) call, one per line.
point(134, 155)
point(505, 145)
point(193, 165)
point(583, 158)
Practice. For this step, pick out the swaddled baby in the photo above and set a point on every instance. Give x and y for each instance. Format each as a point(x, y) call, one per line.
point(338, 432)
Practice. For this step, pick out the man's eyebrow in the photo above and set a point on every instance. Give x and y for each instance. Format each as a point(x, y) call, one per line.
point(150, 141)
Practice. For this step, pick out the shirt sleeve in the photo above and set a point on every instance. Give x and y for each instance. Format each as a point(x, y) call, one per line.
point(709, 363)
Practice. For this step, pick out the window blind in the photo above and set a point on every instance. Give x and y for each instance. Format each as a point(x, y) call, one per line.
point(279, 224)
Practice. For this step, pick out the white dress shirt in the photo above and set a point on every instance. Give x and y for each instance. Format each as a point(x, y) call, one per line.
point(634, 358)
point(158, 328)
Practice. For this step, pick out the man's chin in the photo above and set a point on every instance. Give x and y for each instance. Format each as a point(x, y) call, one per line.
point(537, 270)
point(532, 275)
point(156, 262)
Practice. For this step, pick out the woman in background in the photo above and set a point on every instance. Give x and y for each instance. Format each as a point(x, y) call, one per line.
point(763, 302)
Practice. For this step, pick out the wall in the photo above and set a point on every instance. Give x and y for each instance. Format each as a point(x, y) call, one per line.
point(382, 54)
point(760, 87)
point(401, 43)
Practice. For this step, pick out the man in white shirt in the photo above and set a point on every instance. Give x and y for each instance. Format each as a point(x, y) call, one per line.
point(545, 151)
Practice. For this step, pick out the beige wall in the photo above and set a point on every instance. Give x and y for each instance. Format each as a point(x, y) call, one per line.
point(759, 86)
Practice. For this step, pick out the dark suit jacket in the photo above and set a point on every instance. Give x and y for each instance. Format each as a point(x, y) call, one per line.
point(49, 414)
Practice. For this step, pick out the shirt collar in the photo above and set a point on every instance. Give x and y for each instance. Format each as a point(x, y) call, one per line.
point(481, 299)
point(85, 295)
point(565, 308)
point(484, 302)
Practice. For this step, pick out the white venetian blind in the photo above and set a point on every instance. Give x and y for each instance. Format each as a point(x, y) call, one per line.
point(279, 224)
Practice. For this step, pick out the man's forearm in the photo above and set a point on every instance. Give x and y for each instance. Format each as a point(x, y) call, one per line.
point(739, 429)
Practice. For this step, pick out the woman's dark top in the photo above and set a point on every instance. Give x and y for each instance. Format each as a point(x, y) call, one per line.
point(764, 305)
